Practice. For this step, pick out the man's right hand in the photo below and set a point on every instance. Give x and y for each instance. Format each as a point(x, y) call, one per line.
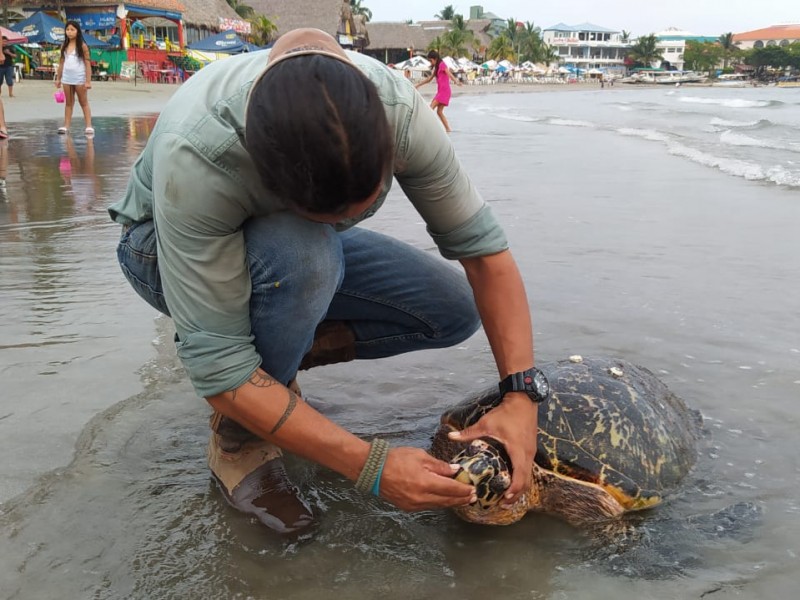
point(414, 480)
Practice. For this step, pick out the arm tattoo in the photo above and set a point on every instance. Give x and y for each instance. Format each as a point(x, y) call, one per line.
point(289, 409)
point(261, 379)
point(258, 379)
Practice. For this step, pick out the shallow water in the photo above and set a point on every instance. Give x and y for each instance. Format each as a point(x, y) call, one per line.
point(628, 249)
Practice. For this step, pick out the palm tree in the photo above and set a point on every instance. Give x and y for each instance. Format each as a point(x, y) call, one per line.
point(728, 48)
point(625, 37)
point(243, 10)
point(453, 43)
point(645, 51)
point(358, 9)
point(447, 14)
point(530, 43)
point(461, 35)
point(263, 31)
point(501, 48)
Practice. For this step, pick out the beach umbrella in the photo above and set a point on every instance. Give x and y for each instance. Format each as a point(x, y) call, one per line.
point(41, 28)
point(12, 37)
point(451, 63)
point(467, 65)
point(416, 63)
point(227, 42)
point(93, 42)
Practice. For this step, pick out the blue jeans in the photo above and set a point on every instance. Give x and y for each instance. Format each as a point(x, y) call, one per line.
point(7, 75)
point(395, 297)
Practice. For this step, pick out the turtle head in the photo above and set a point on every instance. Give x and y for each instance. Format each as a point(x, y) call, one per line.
point(485, 465)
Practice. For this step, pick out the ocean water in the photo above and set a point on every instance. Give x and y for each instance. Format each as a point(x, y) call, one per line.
point(659, 226)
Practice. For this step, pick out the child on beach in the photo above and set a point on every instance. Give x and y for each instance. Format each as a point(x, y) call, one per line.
point(75, 74)
point(443, 77)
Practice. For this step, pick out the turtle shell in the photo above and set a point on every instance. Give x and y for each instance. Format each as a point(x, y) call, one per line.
point(608, 422)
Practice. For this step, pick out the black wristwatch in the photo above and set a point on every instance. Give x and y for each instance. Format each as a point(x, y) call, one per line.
point(533, 382)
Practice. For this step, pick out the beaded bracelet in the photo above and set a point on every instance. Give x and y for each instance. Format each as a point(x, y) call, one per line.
point(370, 476)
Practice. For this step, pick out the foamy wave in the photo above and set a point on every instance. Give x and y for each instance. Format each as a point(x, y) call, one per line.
point(570, 123)
point(739, 168)
point(728, 102)
point(517, 117)
point(732, 166)
point(647, 134)
point(716, 121)
point(739, 139)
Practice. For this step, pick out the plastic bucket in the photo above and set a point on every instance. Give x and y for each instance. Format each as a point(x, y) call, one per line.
point(59, 96)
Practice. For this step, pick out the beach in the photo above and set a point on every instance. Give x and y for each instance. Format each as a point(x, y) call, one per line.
point(650, 224)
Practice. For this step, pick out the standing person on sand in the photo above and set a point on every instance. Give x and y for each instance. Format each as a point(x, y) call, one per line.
point(75, 74)
point(7, 67)
point(443, 77)
point(3, 126)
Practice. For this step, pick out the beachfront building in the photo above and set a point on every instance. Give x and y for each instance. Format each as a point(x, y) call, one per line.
point(395, 42)
point(777, 35)
point(496, 24)
point(588, 47)
point(672, 44)
point(107, 19)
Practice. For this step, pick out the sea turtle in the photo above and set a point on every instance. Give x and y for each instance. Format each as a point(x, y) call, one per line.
point(612, 439)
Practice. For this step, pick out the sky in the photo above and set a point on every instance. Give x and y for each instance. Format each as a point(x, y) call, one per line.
point(701, 17)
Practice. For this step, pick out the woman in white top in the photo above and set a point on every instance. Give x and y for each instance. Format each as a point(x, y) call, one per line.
point(75, 74)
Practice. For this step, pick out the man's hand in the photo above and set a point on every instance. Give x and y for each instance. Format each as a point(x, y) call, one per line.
point(414, 480)
point(514, 423)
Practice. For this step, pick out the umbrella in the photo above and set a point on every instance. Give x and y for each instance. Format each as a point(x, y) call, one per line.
point(12, 37)
point(417, 63)
point(93, 42)
point(39, 28)
point(227, 42)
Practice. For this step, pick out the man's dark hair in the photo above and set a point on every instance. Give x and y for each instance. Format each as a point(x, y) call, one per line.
point(318, 133)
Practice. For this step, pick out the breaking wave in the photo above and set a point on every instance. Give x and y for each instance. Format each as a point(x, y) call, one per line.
point(731, 102)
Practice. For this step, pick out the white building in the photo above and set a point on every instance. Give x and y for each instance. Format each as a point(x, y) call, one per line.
point(672, 43)
point(588, 46)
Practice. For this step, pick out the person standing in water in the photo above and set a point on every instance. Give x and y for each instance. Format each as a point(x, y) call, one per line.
point(443, 77)
point(75, 74)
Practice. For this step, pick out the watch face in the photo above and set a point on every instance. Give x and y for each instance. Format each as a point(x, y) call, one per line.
point(541, 384)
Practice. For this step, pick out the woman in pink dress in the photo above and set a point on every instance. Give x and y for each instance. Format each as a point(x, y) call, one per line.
point(443, 77)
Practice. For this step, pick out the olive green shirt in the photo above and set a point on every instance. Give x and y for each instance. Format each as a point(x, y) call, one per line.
point(196, 179)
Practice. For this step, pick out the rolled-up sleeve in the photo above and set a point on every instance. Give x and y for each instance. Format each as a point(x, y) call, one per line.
point(203, 266)
point(458, 219)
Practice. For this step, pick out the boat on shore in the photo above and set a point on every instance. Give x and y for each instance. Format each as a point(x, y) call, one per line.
point(665, 77)
point(737, 80)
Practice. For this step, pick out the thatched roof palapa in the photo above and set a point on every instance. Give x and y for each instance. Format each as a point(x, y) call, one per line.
point(205, 14)
point(418, 36)
point(291, 14)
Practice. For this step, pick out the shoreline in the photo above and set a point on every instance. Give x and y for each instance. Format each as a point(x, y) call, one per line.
point(33, 98)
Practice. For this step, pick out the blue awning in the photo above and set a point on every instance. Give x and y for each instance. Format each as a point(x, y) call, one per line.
point(153, 12)
point(93, 21)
